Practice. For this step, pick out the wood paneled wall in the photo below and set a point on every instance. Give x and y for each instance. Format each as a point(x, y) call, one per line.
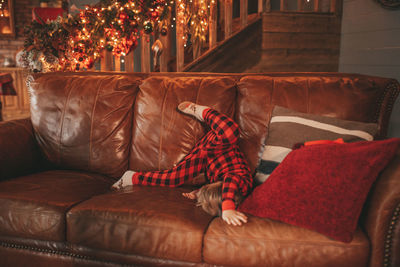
point(16, 107)
point(370, 44)
point(295, 41)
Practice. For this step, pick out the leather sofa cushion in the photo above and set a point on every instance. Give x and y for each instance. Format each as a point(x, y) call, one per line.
point(155, 222)
point(34, 206)
point(19, 152)
point(84, 122)
point(347, 97)
point(162, 136)
point(264, 242)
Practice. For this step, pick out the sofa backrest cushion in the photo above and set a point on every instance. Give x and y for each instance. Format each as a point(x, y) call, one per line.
point(84, 122)
point(344, 96)
point(162, 136)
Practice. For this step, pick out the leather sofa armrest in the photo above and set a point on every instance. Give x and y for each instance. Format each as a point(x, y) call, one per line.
point(381, 219)
point(19, 151)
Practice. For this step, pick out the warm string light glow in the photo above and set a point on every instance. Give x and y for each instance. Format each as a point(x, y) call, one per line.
point(114, 25)
point(117, 28)
point(76, 42)
point(193, 17)
point(199, 22)
point(4, 8)
point(183, 15)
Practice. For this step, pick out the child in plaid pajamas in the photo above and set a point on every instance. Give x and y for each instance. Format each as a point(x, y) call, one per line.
point(218, 156)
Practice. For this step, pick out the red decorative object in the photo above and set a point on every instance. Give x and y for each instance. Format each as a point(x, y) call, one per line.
point(6, 88)
point(154, 14)
point(42, 14)
point(123, 16)
point(322, 187)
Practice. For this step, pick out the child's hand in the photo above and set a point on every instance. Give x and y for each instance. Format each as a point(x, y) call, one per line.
point(234, 217)
point(191, 195)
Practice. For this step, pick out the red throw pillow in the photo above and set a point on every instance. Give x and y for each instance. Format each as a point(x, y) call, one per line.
point(322, 187)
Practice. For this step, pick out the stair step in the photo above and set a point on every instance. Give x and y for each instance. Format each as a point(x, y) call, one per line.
point(299, 56)
point(305, 23)
point(294, 41)
point(300, 40)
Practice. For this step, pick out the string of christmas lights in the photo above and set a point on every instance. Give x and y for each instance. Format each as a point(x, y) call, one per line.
point(74, 43)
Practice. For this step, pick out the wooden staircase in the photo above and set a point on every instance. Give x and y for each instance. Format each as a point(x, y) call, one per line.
point(286, 40)
point(293, 41)
point(236, 54)
point(280, 35)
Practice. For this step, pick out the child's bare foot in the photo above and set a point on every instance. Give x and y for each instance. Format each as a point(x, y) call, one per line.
point(193, 109)
point(125, 180)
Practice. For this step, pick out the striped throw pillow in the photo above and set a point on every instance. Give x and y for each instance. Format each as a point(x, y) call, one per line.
point(288, 128)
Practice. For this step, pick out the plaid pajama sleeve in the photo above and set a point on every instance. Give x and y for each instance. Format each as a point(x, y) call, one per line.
point(233, 170)
point(238, 183)
point(229, 190)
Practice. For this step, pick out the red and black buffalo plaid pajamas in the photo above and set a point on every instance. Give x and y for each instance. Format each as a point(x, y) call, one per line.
point(216, 154)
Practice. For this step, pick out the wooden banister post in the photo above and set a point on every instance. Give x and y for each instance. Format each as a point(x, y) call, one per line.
point(283, 5)
point(117, 63)
point(212, 25)
point(145, 53)
point(130, 62)
point(180, 41)
point(333, 6)
point(228, 18)
point(164, 58)
point(106, 61)
point(243, 13)
point(316, 6)
point(300, 5)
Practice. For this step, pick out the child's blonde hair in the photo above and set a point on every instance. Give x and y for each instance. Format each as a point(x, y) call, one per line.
point(209, 197)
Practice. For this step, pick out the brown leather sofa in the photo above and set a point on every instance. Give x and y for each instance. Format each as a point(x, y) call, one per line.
point(56, 169)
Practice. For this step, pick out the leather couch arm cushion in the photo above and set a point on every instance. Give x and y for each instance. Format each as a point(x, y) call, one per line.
point(381, 218)
point(19, 152)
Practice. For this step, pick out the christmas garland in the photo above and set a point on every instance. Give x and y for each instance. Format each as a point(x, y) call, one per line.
point(75, 42)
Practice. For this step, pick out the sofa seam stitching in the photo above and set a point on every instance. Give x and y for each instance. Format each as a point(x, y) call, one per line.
point(62, 253)
point(62, 120)
point(162, 124)
point(91, 123)
point(309, 243)
point(196, 101)
point(204, 238)
point(388, 244)
point(129, 222)
point(132, 110)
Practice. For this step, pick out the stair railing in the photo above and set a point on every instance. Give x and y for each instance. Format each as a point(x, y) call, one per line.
point(172, 45)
